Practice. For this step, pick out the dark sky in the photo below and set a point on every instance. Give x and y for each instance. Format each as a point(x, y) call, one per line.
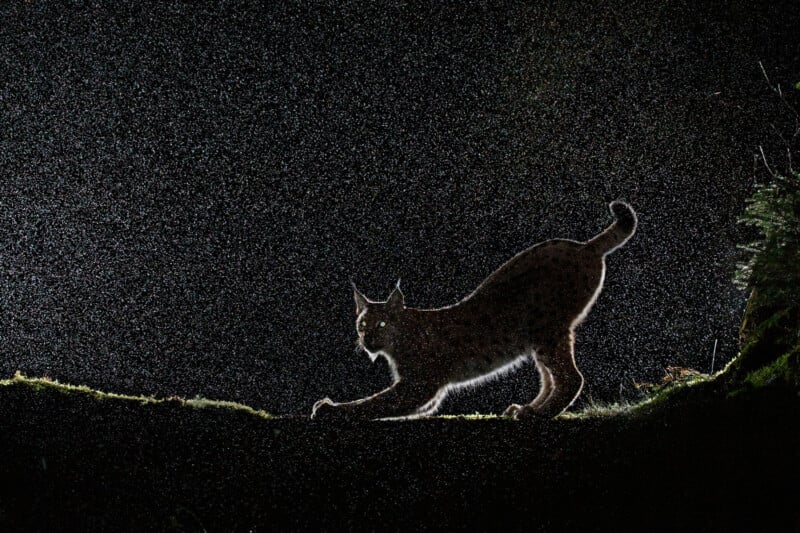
point(185, 193)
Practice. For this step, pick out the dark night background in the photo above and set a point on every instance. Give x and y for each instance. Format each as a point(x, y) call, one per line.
point(186, 192)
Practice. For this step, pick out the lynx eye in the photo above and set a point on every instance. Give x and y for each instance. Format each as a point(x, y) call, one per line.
point(363, 323)
point(382, 324)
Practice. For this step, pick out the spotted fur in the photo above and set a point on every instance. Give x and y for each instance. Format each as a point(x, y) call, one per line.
point(527, 308)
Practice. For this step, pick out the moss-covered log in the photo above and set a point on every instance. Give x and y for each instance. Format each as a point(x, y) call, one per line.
point(768, 332)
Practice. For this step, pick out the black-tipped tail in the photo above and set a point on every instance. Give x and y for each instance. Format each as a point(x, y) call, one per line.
point(617, 233)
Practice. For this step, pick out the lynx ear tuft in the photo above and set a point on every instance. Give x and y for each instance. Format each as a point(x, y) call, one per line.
point(361, 300)
point(396, 299)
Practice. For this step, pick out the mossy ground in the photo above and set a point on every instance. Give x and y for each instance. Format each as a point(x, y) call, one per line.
point(75, 458)
point(656, 395)
point(47, 384)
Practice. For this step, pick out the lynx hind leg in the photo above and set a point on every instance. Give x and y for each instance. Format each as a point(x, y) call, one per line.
point(566, 382)
point(545, 389)
point(546, 385)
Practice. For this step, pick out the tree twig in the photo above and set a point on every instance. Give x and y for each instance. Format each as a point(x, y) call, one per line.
point(764, 159)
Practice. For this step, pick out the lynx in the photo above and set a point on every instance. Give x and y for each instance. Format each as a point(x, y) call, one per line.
point(527, 308)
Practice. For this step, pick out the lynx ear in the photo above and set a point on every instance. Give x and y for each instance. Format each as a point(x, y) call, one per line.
point(396, 299)
point(361, 300)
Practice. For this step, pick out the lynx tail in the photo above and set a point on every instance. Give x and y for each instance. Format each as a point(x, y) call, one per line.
point(617, 233)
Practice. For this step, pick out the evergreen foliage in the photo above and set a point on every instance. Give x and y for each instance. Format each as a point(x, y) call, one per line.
point(773, 268)
point(771, 324)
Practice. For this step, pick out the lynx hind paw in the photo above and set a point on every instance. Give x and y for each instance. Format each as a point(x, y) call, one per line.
point(524, 412)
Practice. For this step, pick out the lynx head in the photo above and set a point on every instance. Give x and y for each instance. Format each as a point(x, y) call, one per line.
point(377, 322)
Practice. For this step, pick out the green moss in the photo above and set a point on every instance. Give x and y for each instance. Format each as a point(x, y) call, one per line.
point(599, 410)
point(775, 334)
point(701, 388)
point(473, 416)
point(47, 384)
point(204, 403)
point(783, 371)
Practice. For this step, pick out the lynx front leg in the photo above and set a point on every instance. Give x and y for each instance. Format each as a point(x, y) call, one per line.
point(566, 381)
point(401, 399)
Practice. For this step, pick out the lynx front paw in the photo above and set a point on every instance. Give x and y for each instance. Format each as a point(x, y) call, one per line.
point(323, 408)
point(512, 410)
